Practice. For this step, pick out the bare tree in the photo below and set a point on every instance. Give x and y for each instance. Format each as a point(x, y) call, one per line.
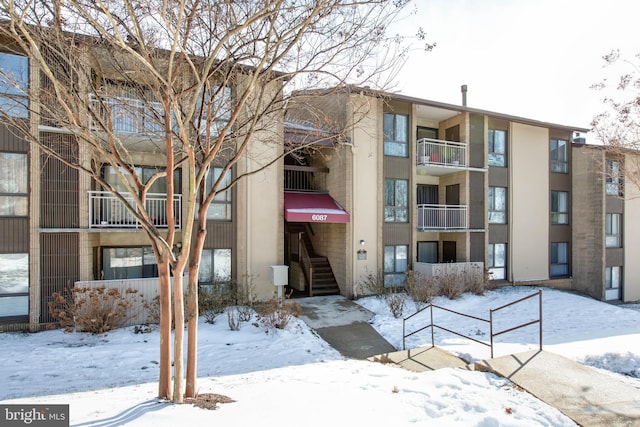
point(194, 82)
point(618, 126)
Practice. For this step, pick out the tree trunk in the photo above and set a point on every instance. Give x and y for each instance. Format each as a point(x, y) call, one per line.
point(192, 333)
point(178, 339)
point(164, 384)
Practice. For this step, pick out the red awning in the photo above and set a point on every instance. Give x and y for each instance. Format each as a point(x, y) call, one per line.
point(313, 207)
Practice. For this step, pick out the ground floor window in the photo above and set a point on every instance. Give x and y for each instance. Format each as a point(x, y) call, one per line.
point(498, 261)
point(14, 285)
point(559, 259)
point(128, 263)
point(428, 252)
point(613, 283)
point(395, 265)
point(215, 266)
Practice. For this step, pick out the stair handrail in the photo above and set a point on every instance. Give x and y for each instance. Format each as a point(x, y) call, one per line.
point(305, 263)
point(492, 334)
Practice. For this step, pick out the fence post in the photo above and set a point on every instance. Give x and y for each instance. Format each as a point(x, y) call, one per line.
point(491, 330)
point(540, 315)
point(432, 338)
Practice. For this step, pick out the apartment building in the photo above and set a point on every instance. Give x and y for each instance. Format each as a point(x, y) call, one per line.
point(59, 227)
point(405, 184)
point(605, 227)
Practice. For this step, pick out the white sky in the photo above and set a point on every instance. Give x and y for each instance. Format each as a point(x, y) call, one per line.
point(535, 59)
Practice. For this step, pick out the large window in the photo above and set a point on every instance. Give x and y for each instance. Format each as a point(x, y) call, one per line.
point(14, 85)
point(613, 230)
point(559, 157)
point(613, 185)
point(395, 200)
point(14, 285)
point(559, 207)
point(395, 265)
point(498, 261)
point(613, 283)
point(497, 205)
point(396, 135)
point(128, 263)
point(215, 266)
point(127, 109)
point(217, 110)
point(13, 184)
point(497, 147)
point(220, 207)
point(428, 252)
point(559, 259)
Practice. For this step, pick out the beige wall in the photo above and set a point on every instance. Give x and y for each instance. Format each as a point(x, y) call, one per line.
point(365, 210)
point(528, 255)
point(631, 231)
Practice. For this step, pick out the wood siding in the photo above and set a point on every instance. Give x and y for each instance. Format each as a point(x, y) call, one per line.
point(59, 267)
point(60, 198)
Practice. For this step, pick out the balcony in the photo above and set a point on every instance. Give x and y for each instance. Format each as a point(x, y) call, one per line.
point(128, 115)
point(107, 211)
point(436, 157)
point(305, 178)
point(442, 217)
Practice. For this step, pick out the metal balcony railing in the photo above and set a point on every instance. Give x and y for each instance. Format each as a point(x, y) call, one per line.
point(128, 115)
point(443, 153)
point(305, 178)
point(107, 211)
point(442, 217)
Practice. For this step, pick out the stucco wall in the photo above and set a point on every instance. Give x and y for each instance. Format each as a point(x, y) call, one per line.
point(366, 188)
point(529, 203)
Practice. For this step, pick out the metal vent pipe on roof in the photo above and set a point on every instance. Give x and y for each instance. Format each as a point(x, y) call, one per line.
point(463, 89)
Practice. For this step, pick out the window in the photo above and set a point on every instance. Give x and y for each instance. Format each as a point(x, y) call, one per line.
point(613, 283)
point(13, 184)
point(217, 111)
point(14, 285)
point(395, 200)
point(428, 252)
point(559, 259)
point(559, 207)
point(220, 207)
point(14, 85)
point(559, 158)
point(497, 205)
point(396, 130)
point(498, 261)
point(128, 263)
point(215, 266)
point(613, 185)
point(613, 233)
point(395, 265)
point(497, 147)
point(130, 108)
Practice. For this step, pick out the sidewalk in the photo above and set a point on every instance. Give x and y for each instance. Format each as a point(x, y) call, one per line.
point(589, 397)
point(344, 325)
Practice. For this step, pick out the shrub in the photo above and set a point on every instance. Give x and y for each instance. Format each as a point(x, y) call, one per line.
point(420, 288)
point(94, 310)
point(396, 302)
point(214, 298)
point(276, 313)
point(372, 284)
point(450, 285)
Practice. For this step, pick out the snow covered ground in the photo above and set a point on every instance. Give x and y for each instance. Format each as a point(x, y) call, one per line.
point(292, 377)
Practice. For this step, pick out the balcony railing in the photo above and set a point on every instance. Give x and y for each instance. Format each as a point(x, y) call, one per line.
point(305, 178)
point(107, 211)
point(442, 217)
point(443, 153)
point(128, 115)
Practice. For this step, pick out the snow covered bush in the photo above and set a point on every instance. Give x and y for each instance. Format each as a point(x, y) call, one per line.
point(94, 310)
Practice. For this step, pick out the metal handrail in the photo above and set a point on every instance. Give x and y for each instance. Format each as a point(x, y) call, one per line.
point(432, 325)
point(305, 262)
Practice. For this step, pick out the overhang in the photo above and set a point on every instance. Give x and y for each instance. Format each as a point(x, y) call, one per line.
point(313, 207)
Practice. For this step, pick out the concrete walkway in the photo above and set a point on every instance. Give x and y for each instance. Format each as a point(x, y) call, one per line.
point(587, 396)
point(344, 325)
